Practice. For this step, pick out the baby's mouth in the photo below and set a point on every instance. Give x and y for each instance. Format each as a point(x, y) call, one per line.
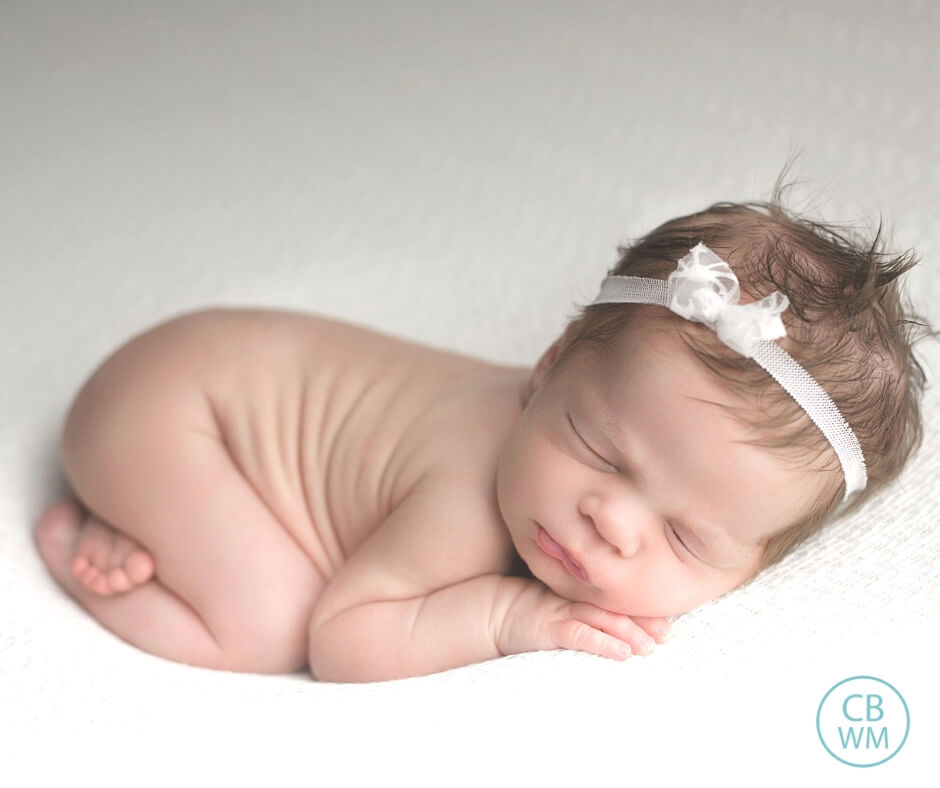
point(555, 550)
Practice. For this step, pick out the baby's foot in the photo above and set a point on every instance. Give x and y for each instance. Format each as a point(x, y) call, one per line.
point(104, 560)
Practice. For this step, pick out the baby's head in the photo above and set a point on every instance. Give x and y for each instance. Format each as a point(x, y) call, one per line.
point(659, 466)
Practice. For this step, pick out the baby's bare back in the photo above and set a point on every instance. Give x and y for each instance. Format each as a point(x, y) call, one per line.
point(272, 465)
point(334, 424)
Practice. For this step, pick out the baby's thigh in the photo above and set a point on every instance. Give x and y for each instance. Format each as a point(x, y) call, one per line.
point(143, 451)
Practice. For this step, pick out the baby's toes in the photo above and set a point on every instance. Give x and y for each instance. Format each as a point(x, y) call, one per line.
point(80, 564)
point(118, 580)
point(135, 563)
point(95, 544)
point(98, 582)
point(139, 566)
point(85, 571)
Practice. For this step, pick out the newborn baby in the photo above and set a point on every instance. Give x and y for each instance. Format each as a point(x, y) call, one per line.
point(267, 491)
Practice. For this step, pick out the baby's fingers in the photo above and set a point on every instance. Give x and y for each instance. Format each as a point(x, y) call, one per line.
point(578, 636)
point(623, 628)
point(658, 628)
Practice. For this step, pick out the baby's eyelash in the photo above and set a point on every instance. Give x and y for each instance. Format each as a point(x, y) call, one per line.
point(675, 533)
point(588, 445)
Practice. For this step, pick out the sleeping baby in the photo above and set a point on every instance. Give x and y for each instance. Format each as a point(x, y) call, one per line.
point(267, 491)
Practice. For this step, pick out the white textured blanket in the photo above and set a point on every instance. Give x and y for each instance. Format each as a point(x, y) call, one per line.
point(458, 174)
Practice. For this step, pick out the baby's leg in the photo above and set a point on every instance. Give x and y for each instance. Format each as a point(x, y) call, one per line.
point(231, 589)
point(151, 616)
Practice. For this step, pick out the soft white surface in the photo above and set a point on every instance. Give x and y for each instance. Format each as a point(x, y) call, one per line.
point(459, 174)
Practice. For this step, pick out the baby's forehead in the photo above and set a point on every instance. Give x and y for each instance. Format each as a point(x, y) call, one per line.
point(653, 353)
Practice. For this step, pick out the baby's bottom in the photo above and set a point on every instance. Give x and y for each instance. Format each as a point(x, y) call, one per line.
point(231, 589)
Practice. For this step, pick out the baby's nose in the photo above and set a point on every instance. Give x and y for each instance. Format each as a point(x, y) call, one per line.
point(614, 522)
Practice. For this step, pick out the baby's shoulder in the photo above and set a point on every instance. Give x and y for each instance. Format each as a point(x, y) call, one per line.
point(464, 430)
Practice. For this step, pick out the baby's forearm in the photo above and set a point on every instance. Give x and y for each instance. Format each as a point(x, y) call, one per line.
point(449, 628)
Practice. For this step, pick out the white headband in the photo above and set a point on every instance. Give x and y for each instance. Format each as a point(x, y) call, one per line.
point(704, 289)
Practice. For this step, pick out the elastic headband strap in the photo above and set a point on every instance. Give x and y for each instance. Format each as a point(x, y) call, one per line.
point(705, 290)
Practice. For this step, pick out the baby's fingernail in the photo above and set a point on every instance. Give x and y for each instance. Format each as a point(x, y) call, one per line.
point(647, 644)
point(666, 633)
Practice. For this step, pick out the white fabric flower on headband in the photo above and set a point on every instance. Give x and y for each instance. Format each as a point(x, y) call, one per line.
point(703, 288)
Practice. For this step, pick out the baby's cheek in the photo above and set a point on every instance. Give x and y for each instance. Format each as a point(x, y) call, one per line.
point(527, 472)
point(507, 479)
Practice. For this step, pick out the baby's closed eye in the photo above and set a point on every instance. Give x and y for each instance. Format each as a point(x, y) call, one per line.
point(590, 449)
point(683, 547)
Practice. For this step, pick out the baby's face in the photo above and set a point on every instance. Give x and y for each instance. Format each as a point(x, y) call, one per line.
point(624, 484)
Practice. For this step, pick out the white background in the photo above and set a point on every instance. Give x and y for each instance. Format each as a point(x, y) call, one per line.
point(459, 174)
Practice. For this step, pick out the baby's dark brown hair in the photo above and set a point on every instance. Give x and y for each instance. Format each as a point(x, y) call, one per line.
point(847, 324)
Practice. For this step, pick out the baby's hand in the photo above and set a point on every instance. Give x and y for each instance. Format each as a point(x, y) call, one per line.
point(538, 619)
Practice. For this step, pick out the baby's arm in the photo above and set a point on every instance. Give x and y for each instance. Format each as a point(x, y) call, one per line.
point(426, 593)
